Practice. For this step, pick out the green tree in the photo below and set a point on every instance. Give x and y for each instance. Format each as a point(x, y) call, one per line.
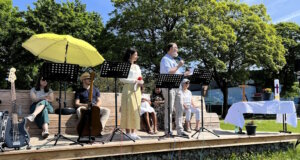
point(290, 34)
point(13, 32)
point(47, 16)
point(66, 18)
point(226, 37)
point(147, 25)
point(230, 38)
point(69, 18)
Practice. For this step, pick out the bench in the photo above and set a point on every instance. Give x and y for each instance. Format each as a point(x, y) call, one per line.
point(69, 122)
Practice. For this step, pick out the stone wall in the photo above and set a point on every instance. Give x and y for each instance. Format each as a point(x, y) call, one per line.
point(240, 152)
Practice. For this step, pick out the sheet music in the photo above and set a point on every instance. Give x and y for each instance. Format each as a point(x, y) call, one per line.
point(191, 69)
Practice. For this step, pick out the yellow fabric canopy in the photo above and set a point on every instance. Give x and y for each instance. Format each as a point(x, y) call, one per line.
point(63, 48)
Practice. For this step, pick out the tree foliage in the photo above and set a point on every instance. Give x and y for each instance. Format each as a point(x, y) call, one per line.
point(70, 18)
point(13, 32)
point(230, 38)
point(290, 34)
point(66, 18)
point(148, 26)
point(227, 37)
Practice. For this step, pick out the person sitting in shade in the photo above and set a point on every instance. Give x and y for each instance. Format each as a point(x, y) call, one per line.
point(41, 96)
point(189, 106)
point(147, 110)
point(82, 99)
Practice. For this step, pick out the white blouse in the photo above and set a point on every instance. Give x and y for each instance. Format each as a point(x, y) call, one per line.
point(134, 73)
point(39, 94)
point(187, 97)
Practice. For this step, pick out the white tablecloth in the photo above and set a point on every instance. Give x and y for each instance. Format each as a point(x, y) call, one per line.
point(235, 112)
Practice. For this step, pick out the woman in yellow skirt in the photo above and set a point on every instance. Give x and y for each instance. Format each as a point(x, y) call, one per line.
point(131, 96)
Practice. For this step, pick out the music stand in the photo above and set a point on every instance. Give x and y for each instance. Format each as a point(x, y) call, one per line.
point(203, 77)
point(116, 70)
point(169, 81)
point(61, 72)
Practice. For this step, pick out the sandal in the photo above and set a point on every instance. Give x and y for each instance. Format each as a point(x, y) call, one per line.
point(188, 130)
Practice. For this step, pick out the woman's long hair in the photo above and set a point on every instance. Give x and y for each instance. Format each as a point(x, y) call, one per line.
point(37, 86)
point(129, 52)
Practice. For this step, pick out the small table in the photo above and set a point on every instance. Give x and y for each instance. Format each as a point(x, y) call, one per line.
point(236, 111)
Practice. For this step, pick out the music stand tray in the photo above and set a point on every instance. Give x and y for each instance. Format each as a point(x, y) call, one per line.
point(61, 72)
point(202, 77)
point(115, 70)
point(169, 81)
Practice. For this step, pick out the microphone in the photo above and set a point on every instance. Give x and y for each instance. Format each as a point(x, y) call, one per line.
point(181, 69)
point(178, 58)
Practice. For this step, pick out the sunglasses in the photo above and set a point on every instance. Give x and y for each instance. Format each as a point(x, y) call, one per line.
point(187, 82)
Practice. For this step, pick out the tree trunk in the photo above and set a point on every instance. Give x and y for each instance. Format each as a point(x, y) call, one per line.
point(222, 83)
point(224, 90)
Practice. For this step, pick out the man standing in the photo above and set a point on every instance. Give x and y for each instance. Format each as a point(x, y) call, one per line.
point(168, 65)
point(82, 99)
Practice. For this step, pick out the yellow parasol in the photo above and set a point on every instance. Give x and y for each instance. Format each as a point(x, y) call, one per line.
point(63, 48)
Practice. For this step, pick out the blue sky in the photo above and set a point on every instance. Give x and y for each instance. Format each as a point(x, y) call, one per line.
point(103, 7)
point(279, 10)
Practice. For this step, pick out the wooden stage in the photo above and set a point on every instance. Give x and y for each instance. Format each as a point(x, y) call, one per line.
point(149, 144)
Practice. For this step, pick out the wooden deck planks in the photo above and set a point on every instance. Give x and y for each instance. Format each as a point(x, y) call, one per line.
point(149, 144)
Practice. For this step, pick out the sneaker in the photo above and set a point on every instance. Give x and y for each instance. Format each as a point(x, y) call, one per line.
point(136, 136)
point(183, 134)
point(31, 117)
point(45, 134)
point(171, 133)
point(129, 136)
point(188, 130)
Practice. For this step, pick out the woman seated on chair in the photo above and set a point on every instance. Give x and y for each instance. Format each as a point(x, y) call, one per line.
point(146, 109)
point(189, 106)
point(41, 97)
point(157, 102)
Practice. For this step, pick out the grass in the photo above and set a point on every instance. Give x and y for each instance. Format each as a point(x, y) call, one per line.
point(262, 125)
point(291, 154)
point(267, 125)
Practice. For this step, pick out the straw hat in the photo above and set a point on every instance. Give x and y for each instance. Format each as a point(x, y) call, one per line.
point(85, 75)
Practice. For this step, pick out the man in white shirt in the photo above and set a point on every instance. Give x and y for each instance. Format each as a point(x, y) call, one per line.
point(168, 65)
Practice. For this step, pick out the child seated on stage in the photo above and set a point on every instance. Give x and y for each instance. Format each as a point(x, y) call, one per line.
point(189, 106)
point(146, 109)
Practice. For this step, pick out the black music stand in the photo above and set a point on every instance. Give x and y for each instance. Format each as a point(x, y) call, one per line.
point(61, 72)
point(202, 77)
point(169, 81)
point(116, 70)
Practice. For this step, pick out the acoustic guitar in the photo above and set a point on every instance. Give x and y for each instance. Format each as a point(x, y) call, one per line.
point(89, 124)
point(16, 135)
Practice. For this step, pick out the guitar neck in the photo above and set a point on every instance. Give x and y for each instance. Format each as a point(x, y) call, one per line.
point(13, 97)
point(14, 104)
point(91, 88)
point(13, 92)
